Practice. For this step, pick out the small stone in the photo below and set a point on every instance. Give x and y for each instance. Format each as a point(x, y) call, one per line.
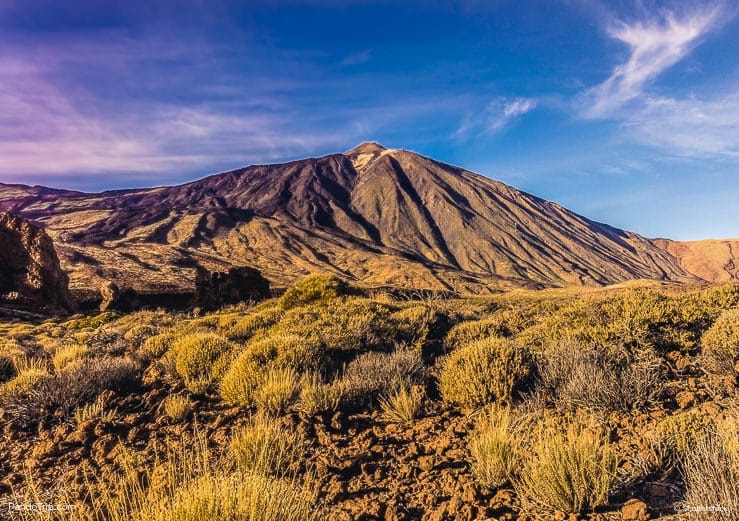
point(685, 399)
point(426, 463)
point(635, 510)
point(469, 493)
point(454, 505)
point(413, 449)
point(659, 491)
point(337, 421)
point(683, 363)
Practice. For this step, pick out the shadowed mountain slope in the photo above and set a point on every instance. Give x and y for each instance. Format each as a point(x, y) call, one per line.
point(374, 215)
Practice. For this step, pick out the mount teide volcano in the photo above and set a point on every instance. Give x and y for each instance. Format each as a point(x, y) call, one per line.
point(373, 215)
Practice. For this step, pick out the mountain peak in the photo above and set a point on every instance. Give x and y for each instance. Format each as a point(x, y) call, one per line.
point(368, 147)
point(365, 153)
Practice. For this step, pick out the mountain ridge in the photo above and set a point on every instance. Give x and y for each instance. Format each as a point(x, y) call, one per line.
point(375, 215)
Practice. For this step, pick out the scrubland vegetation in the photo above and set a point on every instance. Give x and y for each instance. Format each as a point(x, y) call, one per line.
point(519, 405)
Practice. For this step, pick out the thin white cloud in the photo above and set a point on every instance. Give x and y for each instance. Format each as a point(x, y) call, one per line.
point(501, 113)
point(655, 44)
point(47, 130)
point(690, 127)
point(498, 114)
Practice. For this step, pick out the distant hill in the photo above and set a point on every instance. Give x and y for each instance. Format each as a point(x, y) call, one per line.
point(373, 215)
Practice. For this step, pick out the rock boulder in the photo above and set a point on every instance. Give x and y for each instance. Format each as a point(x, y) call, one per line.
point(213, 290)
point(30, 275)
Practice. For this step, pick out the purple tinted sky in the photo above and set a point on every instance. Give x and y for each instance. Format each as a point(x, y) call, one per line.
point(627, 112)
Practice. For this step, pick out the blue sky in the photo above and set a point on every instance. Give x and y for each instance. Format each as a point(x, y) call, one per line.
point(626, 112)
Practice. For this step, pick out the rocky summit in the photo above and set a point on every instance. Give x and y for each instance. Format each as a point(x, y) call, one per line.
point(372, 215)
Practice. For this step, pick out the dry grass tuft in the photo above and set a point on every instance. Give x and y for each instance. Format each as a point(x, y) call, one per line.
point(403, 405)
point(711, 473)
point(177, 407)
point(265, 447)
point(571, 472)
point(278, 389)
point(95, 410)
point(494, 449)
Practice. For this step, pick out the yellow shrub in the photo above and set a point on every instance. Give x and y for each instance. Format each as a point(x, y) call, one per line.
point(484, 371)
point(139, 333)
point(467, 332)
point(177, 407)
point(29, 372)
point(286, 351)
point(196, 357)
point(95, 410)
point(418, 324)
point(682, 431)
point(245, 327)
point(343, 324)
point(314, 289)
point(155, 346)
point(316, 396)
point(241, 381)
point(403, 405)
point(721, 343)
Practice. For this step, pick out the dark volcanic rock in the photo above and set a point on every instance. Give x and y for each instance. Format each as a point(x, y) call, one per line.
point(217, 289)
point(117, 299)
point(30, 275)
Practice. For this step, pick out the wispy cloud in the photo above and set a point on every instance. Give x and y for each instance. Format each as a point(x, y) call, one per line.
point(655, 44)
point(358, 58)
point(502, 112)
point(690, 127)
point(498, 114)
point(45, 130)
point(697, 125)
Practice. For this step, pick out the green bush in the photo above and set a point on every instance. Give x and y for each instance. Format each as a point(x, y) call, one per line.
point(720, 344)
point(314, 289)
point(245, 327)
point(485, 371)
point(198, 358)
point(351, 324)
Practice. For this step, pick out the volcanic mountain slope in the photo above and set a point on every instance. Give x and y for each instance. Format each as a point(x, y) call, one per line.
point(374, 215)
point(710, 259)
